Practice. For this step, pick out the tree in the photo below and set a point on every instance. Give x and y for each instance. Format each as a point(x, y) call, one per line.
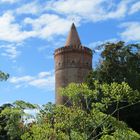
point(81, 122)
point(119, 63)
point(3, 76)
point(3, 132)
point(13, 120)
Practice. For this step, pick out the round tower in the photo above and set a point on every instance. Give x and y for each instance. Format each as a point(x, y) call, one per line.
point(73, 62)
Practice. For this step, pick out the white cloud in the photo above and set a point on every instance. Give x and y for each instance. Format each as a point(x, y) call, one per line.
point(29, 8)
point(43, 80)
point(48, 25)
point(45, 27)
point(91, 10)
point(135, 8)
point(131, 31)
point(9, 1)
point(44, 74)
point(16, 80)
point(10, 50)
point(53, 18)
point(74, 7)
point(11, 31)
point(121, 10)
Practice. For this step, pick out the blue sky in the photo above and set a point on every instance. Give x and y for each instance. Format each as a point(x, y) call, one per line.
point(30, 31)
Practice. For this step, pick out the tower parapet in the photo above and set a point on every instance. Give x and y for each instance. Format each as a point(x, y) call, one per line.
point(73, 62)
point(64, 57)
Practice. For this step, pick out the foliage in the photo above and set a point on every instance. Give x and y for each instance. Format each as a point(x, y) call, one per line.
point(120, 63)
point(3, 76)
point(13, 119)
point(85, 119)
point(24, 105)
point(13, 124)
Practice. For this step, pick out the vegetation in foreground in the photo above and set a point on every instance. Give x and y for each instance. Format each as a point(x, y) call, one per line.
point(98, 105)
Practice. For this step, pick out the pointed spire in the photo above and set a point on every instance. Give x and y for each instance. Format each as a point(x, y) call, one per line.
point(73, 37)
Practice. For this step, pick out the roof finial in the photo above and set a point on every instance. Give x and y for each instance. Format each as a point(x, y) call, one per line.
point(73, 37)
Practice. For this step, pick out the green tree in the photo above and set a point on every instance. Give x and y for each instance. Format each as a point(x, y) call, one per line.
point(13, 120)
point(119, 62)
point(3, 76)
point(3, 132)
point(86, 119)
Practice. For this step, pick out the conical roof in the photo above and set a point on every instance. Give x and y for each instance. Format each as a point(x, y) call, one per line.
point(73, 37)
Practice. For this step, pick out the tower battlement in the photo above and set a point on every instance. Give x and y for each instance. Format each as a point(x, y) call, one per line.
point(66, 49)
point(73, 57)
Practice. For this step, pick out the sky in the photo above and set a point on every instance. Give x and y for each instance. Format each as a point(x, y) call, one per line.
point(30, 31)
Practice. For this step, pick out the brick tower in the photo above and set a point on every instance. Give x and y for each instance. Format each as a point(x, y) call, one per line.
point(72, 63)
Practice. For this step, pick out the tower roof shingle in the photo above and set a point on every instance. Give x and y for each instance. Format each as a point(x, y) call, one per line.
point(73, 37)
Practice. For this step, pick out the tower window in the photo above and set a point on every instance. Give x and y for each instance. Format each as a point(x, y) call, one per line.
point(72, 62)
